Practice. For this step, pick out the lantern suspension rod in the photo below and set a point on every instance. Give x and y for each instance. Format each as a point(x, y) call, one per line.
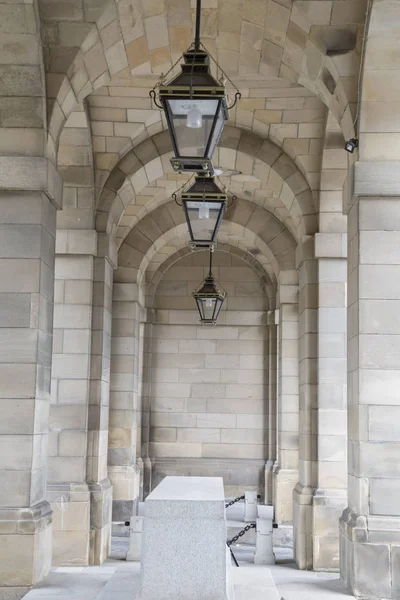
point(210, 273)
point(198, 15)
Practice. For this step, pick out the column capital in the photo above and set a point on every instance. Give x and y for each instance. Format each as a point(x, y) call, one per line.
point(288, 294)
point(305, 250)
point(76, 241)
point(330, 245)
point(107, 248)
point(31, 174)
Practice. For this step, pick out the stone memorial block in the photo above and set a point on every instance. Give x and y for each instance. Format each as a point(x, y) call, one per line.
point(184, 552)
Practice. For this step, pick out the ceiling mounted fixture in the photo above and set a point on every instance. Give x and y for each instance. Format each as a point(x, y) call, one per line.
point(209, 297)
point(204, 205)
point(195, 107)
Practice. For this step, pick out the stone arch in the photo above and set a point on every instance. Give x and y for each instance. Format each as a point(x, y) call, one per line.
point(257, 159)
point(181, 250)
point(259, 229)
point(148, 38)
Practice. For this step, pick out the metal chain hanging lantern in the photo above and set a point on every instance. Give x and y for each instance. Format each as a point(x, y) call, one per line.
point(209, 297)
point(195, 107)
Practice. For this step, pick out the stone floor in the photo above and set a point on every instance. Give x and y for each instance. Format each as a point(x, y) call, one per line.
point(119, 580)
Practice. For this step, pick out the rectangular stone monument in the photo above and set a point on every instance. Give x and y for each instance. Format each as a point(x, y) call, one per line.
point(184, 552)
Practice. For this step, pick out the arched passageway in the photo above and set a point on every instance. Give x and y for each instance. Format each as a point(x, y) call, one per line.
point(106, 380)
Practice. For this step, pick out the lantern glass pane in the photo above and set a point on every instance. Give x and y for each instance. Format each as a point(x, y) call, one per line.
point(192, 141)
point(219, 125)
point(208, 308)
point(203, 219)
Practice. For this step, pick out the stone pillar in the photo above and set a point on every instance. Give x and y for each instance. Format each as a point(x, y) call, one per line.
point(303, 493)
point(99, 395)
point(139, 413)
point(27, 249)
point(272, 398)
point(320, 495)
point(330, 494)
point(146, 405)
point(286, 470)
point(67, 488)
point(122, 452)
point(370, 526)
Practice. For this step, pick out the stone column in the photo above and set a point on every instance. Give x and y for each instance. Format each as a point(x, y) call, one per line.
point(67, 488)
point(272, 398)
point(139, 413)
point(146, 403)
point(303, 493)
point(286, 470)
point(330, 493)
point(320, 494)
point(123, 470)
point(370, 526)
point(27, 249)
point(99, 399)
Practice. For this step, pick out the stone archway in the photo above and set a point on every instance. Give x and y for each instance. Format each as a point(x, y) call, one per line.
point(259, 160)
point(147, 40)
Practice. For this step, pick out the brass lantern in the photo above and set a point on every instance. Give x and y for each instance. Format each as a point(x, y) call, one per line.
point(209, 297)
point(195, 107)
point(204, 206)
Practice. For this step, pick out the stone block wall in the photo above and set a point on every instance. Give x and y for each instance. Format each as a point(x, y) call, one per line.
point(208, 385)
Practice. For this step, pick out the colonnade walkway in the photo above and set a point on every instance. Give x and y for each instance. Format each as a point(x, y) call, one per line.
point(117, 579)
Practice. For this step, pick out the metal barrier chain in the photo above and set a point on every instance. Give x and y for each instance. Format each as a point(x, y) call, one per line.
point(239, 535)
point(234, 501)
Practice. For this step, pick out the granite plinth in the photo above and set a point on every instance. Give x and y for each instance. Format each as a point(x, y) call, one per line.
point(184, 541)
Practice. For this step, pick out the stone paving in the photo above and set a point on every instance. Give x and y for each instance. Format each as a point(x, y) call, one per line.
point(119, 580)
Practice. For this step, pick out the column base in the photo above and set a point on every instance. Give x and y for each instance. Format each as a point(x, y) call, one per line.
point(71, 523)
point(302, 526)
point(284, 483)
point(268, 479)
point(125, 481)
point(316, 527)
point(327, 508)
point(370, 555)
point(100, 521)
point(25, 548)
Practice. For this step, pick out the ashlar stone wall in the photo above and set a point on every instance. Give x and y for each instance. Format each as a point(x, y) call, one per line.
point(208, 385)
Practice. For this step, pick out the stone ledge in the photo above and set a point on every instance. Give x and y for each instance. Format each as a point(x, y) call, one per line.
point(36, 173)
point(27, 521)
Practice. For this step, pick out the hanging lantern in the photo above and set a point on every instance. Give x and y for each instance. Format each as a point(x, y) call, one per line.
point(209, 297)
point(204, 206)
point(195, 107)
